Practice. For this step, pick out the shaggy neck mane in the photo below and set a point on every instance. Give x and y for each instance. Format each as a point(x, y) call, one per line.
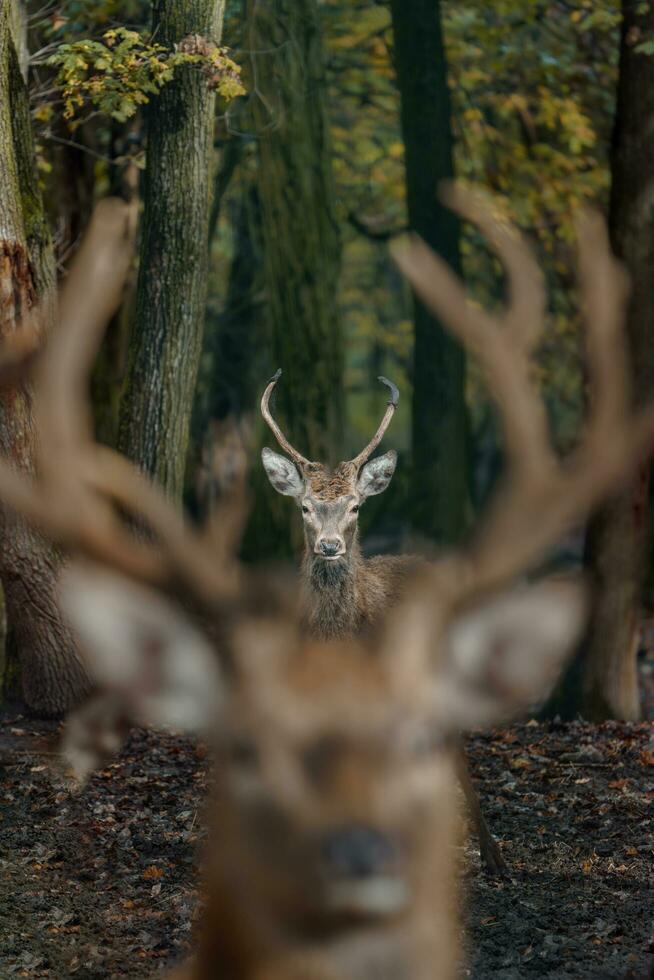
point(332, 592)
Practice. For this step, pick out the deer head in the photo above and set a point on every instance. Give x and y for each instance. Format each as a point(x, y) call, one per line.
point(335, 807)
point(329, 501)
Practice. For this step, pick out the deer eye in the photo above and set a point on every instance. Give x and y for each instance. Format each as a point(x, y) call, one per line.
point(354, 509)
point(305, 509)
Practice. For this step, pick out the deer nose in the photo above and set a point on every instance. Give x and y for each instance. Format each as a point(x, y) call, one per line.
point(358, 852)
point(330, 547)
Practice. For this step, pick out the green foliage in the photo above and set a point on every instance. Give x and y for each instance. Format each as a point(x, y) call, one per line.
point(123, 71)
point(533, 88)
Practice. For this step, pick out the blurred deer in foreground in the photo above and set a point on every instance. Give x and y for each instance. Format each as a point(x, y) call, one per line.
point(334, 852)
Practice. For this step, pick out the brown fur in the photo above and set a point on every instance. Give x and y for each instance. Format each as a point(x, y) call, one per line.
point(334, 737)
point(326, 485)
point(350, 597)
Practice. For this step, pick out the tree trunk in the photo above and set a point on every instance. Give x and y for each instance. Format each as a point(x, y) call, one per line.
point(171, 289)
point(301, 246)
point(53, 677)
point(440, 506)
point(616, 536)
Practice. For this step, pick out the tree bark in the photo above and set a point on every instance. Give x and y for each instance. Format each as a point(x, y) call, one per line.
point(301, 245)
point(616, 535)
point(440, 491)
point(52, 674)
point(171, 289)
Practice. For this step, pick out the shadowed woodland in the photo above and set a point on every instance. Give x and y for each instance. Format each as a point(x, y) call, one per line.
point(326, 425)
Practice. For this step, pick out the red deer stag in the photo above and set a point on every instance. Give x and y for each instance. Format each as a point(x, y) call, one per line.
point(333, 856)
point(345, 595)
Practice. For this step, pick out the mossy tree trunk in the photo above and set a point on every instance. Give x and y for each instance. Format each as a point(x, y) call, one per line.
point(301, 248)
point(41, 646)
point(440, 492)
point(171, 289)
point(616, 536)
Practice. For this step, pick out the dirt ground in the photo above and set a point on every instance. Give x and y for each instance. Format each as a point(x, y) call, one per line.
point(104, 884)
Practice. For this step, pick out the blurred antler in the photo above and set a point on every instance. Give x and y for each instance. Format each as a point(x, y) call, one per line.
point(73, 499)
point(541, 495)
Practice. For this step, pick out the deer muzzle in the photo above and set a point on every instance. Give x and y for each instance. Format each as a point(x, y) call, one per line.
point(363, 875)
point(330, 548)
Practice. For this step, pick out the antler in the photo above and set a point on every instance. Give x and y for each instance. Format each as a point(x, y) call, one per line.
point(541, 495)
point(79, 483)
point(359, 460)
point(302, 461)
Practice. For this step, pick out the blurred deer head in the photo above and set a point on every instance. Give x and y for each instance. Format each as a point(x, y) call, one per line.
point(335, 806)
point(329, 501)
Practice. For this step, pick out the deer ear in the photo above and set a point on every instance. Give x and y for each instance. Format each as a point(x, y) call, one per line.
point(376, 475)
point(141, 650)
point(505, 656)
point(282, 473)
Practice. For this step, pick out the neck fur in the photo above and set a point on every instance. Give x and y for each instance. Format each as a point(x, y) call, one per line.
point(331, 592)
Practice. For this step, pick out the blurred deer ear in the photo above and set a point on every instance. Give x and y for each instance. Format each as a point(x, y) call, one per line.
point(142, 650)
point(505, 656)
point(376, 475)
point(282, 473)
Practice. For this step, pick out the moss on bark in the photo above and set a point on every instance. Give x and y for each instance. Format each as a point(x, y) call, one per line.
point(171, 290)
point(40, 643)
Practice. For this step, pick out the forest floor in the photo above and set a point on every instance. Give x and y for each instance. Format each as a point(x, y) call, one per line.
point(103, 883)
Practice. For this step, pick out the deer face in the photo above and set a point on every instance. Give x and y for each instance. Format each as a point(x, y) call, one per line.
point(334, 797)
point(329, 502)
point(330, 787)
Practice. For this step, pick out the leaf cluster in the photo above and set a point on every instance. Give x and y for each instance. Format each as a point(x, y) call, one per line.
point(122, 71)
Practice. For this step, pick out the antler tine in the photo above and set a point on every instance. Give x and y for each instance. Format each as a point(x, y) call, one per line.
point(393, 400)
point(277, 432)
point(182, 551)
point(503, 344)
point(63, 413)
point(524, 316)
point(604, 290)
point(56, 501)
